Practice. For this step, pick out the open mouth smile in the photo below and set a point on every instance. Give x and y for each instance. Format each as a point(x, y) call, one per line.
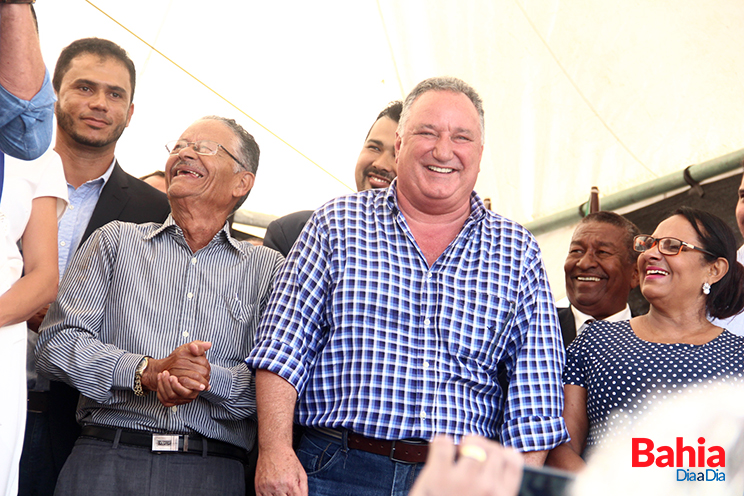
point(441, 170)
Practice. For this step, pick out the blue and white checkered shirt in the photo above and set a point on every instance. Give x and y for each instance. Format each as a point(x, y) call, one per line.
point(376, 341)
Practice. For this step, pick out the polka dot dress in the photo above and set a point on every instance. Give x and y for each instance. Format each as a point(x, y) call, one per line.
point(627, 377)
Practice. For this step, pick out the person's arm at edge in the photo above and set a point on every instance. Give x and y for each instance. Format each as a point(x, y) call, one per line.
point(539, 346)
point(567, 456)
point(278, 471)
point(38, 286)
point(21, 67)
point(535, 458)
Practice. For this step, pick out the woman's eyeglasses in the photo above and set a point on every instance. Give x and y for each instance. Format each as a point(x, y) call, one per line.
point(667, 246)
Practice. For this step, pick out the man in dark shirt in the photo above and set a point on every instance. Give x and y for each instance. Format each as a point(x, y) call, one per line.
point(375, 168)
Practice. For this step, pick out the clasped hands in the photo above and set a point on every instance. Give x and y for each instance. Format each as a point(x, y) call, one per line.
point(181, 376)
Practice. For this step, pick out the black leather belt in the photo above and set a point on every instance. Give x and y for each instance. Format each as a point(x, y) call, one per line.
point(407, 451)
point(187, 443)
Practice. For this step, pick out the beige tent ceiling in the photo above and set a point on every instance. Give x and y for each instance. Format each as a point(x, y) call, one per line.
point(577, 92)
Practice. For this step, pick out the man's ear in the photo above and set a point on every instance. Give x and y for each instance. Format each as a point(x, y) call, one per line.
point(635, 277)
point(244, 184)
point(397, 146)
point(129, 114)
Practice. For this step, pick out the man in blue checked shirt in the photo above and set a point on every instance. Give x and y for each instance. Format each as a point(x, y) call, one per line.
point(152, 325)
point(399, 315)
point(26, 97)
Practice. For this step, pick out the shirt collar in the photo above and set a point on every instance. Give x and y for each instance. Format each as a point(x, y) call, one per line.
point(103, 178)
point(580, 317)
point(170, 225)
point(106, 175)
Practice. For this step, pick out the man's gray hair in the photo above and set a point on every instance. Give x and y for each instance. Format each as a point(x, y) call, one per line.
point(446, 83)
point(247, 151)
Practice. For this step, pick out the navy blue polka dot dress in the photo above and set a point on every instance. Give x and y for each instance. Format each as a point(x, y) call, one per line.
point(626, 377)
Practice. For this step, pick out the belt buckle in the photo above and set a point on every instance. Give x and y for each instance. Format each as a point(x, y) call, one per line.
point(165, 442)
point(392, 455)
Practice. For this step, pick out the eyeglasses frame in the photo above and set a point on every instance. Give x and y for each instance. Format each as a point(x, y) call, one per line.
point(656, 242)
point(191, 143)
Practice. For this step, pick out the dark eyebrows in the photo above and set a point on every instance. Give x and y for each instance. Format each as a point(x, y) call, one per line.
point(375, 142)
point(88, 82)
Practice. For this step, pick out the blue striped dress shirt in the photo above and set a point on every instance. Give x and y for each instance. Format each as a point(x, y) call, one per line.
point(72, 225)
point(137, 289)
point(376, 341)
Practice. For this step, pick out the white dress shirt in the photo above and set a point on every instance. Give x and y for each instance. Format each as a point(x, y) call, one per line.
point(580, 318)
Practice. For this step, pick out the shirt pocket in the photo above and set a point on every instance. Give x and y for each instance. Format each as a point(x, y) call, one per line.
point(239, 310)
point(484, 329)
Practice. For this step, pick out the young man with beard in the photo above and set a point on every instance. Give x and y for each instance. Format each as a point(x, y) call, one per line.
point(375, 168)
point(94, 81)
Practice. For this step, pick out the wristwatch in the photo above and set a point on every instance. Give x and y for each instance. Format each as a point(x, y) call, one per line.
point(138, 377)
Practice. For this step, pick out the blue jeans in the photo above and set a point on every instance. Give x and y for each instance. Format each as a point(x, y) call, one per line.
point(335, 470)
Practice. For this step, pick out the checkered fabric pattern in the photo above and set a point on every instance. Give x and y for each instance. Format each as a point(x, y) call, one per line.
point(376, 341)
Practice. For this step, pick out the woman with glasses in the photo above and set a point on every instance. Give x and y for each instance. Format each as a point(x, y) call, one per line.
point(617, 372)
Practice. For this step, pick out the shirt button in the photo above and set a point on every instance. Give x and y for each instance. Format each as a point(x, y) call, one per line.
point(426, 365)
point(62, 243)
point(193, 261)
point(174, 409)
point(72, 207)
point(185, 334)
point(429, 275)
point(190, 295)
point(422, 415)
point(427, 321)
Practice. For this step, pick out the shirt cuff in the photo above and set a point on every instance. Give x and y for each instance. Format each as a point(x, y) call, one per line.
point(124, 371)
point(220, 382)
point(11, 106)
point(534, 433)
point(280, 359)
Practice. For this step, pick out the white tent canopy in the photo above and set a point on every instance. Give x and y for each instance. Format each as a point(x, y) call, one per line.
point(577, 93)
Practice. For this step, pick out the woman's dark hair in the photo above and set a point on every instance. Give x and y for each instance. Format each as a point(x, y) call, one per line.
point(726, 297)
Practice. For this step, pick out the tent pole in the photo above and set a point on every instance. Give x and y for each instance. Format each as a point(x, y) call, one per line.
point(670, 182)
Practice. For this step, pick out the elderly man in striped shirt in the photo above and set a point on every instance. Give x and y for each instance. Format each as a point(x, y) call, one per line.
point(395, 315)
point(152, 324)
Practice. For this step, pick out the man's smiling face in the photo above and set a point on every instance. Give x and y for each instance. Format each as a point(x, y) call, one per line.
point(600, 269)
point(439, 151)
point(376, 166)
point(93, 106)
